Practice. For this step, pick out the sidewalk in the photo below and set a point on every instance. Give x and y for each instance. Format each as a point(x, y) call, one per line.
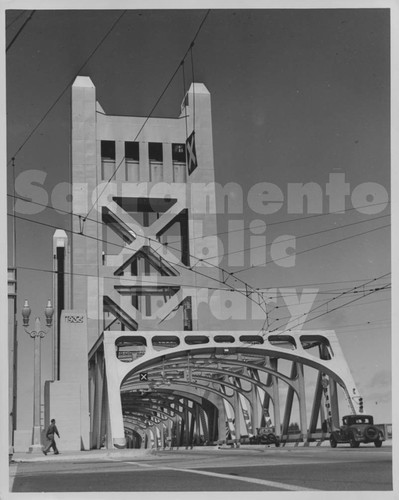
point(82, 455)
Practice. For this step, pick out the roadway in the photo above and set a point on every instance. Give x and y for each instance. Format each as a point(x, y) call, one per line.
point(207, 469)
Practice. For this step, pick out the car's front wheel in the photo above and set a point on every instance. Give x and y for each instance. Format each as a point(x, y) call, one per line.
point(378, 443)
point(353, 442)
point(333, 442)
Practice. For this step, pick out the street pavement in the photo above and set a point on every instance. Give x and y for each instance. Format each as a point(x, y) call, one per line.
point(251, 468)
point(114, 453)
point(105, 454)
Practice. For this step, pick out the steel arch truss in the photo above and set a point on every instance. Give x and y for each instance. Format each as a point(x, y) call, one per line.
point(184, 389)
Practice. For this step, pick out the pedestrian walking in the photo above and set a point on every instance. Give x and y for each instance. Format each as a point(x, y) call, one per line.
point(51, 431)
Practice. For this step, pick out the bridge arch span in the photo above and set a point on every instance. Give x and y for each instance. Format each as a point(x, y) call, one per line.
point(236, 373)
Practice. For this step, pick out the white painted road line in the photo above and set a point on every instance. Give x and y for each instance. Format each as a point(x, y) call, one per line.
point(138, 464)
point(263, 482)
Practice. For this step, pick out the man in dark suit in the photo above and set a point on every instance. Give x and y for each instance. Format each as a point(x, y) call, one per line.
point(51, 431)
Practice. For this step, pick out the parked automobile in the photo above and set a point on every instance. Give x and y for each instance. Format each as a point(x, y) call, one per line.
point(356, 429)
point(264, 435)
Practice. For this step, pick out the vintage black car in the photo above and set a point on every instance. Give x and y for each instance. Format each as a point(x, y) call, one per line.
point(357, 429)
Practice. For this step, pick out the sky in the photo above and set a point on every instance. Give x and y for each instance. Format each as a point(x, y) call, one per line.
point(298, 96)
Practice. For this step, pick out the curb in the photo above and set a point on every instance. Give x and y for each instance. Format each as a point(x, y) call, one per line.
point(83, 455)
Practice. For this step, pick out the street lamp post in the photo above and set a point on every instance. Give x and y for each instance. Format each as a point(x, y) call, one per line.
point(37, 334)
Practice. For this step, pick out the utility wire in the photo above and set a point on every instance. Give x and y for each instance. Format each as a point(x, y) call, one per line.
point(310, 249)
point(304, 292)
point(352, 290)
point(286, 221)
point(141, 279)
point(364, 326)
point(133, 279)
point(169, 244)
point(19, 31)
point(315, 283)
point(264, 245)
point(379, 289)
point(15, 19)
point(248, 296)
point(336, 308)
point(356, 289)
point(340, 295)
point(322, 300)
point(247, 290)
point(70, 83)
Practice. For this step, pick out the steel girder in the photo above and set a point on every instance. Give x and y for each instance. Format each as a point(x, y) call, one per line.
point(239, 378)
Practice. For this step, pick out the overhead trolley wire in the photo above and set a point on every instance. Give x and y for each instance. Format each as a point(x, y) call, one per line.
point(365, 326)
point(379, 289)
point(300, 324)
point(141, 279)
point(298, 237)
point(166, 245)
point(286, 289)
point(356, 288)
point(209, 288)
point(127, 279)
point(169, 244)
point(247, 290)
point(335, 295)
point(286, 221)
point(133, 279)
point(15, 19)
point(69, 83)
point(310, 249)
point(19, 31)
point(315, 283)
point(260, 290)
point(338, 307)
point(326, 303)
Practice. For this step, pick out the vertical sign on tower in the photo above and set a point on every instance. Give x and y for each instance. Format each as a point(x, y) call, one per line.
point(60, 294)
point(191, 154)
